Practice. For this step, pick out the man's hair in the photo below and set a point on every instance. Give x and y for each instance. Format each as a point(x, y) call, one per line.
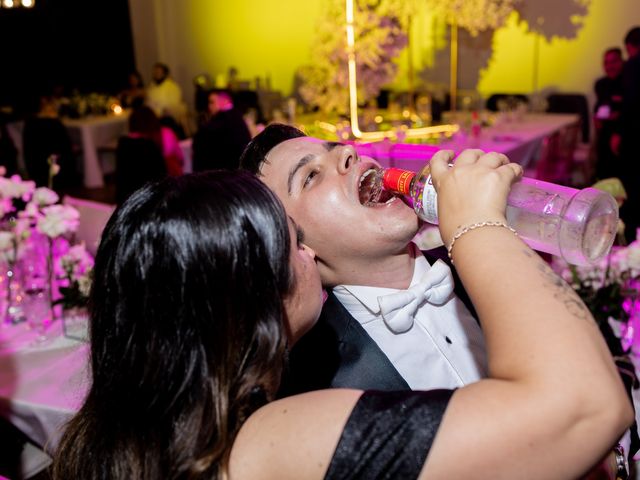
point(633, 37)
point(187, 334)
point(163, 66)
point(616, 50)
point(255, 154)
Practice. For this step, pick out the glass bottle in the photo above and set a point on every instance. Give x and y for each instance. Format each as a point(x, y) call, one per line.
point(577, 225)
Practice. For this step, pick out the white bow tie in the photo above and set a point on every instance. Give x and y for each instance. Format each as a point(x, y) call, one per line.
point(435, 287)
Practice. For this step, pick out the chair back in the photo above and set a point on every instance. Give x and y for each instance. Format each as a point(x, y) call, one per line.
point(492, 101)
point(572, 103)
point(41, 138)
point(556, 163)
point(138, 161)
point(93, 218)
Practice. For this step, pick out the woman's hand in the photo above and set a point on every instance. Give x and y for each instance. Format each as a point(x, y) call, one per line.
point(473, 190)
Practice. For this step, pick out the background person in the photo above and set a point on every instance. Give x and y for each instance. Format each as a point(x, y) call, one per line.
point(164, 96)
point(608, 91)
point(629, 139)
point(219, 142)
point(134, 94)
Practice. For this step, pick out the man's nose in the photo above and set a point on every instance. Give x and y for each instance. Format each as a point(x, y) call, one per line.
point(347, 160)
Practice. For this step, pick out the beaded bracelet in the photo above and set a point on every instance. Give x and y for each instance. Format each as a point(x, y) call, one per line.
point(473, 226)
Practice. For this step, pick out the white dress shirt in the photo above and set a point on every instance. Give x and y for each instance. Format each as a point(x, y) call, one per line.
point(166, 99)
point(443, 349)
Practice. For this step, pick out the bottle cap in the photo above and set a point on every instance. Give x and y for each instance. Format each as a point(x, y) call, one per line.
point(398, 180)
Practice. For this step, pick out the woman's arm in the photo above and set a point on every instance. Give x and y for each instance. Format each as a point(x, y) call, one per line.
point(554, 403)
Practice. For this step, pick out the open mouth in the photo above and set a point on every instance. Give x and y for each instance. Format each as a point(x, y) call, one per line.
point(370, 190)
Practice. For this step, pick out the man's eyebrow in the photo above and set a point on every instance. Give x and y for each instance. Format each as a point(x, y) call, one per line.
point(301, 163)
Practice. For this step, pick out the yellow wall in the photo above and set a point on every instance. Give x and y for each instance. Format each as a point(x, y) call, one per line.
point(272, 38)
point(568, 65)
point(259, 38)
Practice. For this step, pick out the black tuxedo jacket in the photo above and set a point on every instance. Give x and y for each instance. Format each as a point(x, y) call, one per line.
point(338, 352)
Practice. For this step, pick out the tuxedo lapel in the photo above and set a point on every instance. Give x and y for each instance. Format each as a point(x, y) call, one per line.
point(338, 353)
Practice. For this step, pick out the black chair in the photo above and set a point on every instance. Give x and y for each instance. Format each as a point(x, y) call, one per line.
point(41, 138)
point(138, 161)
point(572, 103)
point(492, 101)
point(246, 100)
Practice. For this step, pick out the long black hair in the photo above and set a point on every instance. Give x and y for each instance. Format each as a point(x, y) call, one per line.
point(186, 329)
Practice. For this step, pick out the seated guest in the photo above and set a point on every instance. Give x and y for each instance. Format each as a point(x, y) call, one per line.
point(134, 94)
point(219, 142)
point(164, 96)
point(143, 123)
point(44, 139)
point(140, 155)
point(202, 283)
point(607, 111)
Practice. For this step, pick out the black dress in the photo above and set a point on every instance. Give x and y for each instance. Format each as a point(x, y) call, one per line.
point(388, 435)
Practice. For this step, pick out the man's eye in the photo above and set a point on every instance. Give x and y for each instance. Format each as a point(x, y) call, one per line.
point(309, 177)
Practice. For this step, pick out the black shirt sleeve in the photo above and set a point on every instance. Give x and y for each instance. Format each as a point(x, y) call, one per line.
point(388, 435)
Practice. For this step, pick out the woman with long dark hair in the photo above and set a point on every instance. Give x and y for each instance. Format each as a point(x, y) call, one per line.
point(201, 283)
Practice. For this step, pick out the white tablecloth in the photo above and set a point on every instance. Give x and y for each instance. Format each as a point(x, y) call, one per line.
point(93, 133)
point(90, 134)
point(41, 384)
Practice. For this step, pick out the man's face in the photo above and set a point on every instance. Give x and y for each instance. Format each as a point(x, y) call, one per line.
point(632, 50)
point(613, 64)
point(219, 102)
point(319, 184)
point(214, 103)
point(158, 74)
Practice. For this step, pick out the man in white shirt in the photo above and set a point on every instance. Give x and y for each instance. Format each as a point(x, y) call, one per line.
point(164, 96)
point(367, 337)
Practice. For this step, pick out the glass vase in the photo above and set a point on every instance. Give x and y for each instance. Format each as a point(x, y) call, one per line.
point(75, 323)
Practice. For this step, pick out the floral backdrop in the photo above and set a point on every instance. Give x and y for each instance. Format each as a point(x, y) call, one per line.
point(379, 39)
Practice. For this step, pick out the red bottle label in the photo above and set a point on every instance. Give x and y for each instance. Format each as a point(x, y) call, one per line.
point(397, 180)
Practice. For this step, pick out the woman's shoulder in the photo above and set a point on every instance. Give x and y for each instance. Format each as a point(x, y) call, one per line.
point(292, 437)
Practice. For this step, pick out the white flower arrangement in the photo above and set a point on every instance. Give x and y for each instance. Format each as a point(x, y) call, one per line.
point(57, 220)
point(29, 214)
point(76, 266)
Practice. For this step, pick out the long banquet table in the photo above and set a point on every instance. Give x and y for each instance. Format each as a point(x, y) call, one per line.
point(520, 140)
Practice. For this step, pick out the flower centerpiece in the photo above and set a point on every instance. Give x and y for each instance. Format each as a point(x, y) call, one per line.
point(36, 245)
point(75, 270)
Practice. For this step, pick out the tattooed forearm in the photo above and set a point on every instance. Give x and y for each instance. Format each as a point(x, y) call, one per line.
point(560, 289)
